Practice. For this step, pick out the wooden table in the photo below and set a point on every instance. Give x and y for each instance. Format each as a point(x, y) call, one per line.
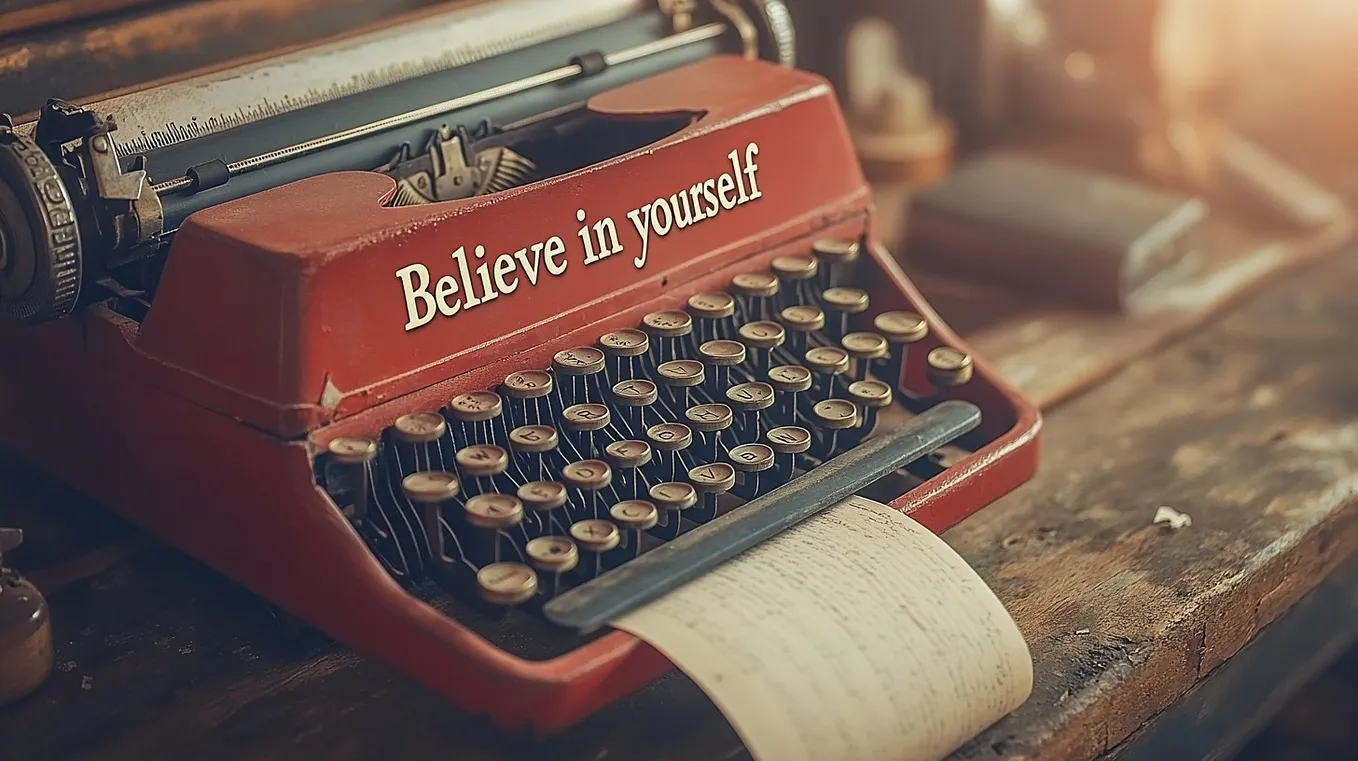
point(1250, 427)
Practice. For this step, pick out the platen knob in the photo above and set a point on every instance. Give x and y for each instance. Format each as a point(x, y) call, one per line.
point(40, 254)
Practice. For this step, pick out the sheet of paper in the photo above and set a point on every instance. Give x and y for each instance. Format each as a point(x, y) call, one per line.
point(856, 636)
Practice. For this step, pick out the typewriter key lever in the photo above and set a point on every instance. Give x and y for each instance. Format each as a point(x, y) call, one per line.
point(591, 606)
point(25, 630)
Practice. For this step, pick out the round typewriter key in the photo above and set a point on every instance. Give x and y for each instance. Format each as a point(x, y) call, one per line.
point(836, 251)
point(431, 487)
point(901, 327)
point(827, 360)
point(352, 451)
point(762, 334)
point(351, 455)
point(477, 406)
point(420, 428)
point(582, 360)
point(681, 373)
point(800, 321)
point(625, 343)
point(790, 378)
point(707, 418)
point(750, 462)
point(711, 306)
point(585, 417)
point(795, 268)
point(628, 454)
point(789, 439)
point(533, 439)
point(949, 368)
point(493, 511)
point(552, 554)
point(756, 285)
point(635, 393)
point(597, 536)
point(750, 397)
point(865, 346)
point(587, 475)
point(670, 437)
point(846, 300)
point(528, 384)
point(787, 442)
point(673, 498)
point(543, 496)
point(870, 394)
point(634, 515)
point(751, 458)
point(667, 328)
point(835, 414)
point(676, 496)
point(507, 584)
point(750, 400)
point(710, 481)
point(482, 461)
point(722, 353)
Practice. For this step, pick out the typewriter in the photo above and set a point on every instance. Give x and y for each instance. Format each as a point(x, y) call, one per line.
point(459, 338)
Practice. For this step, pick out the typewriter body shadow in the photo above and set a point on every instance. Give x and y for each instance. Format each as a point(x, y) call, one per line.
point(459, 364)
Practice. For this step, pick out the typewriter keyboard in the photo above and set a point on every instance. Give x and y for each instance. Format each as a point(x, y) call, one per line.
point(508, 497)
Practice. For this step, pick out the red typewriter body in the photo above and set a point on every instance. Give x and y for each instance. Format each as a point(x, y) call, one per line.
point(280, 325)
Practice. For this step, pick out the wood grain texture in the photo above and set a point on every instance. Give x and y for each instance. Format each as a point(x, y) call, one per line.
point(1251, 427)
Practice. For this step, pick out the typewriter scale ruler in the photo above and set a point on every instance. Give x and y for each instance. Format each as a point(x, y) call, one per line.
point(176, 112)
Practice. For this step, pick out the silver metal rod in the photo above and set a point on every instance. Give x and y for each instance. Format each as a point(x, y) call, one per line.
point(560, 74)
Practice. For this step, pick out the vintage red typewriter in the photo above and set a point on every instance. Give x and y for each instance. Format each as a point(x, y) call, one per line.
point(456, 352)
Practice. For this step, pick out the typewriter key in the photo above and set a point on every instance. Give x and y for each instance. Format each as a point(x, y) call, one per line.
point(352, 456)
point(801, 321)
point(628, 457)
point(668, 329)
point(552, 556)
point(542, 498)
point(901, 329)
point(828, 363)
point(709, 310)
point(668, 440)
point(949, 368)
point(507, 584)
point(635, 516)
point(595, 537)
point(480, 465)
point(673, 498)
point(635, 397)
point(583, 422)
point(761, 339)
point(754, 291)
point(429, 491)
point(528, 391)
point(721, 356)
point(709, 420)
point(587, 478)
point(420, 428)
point(833, 256)
point(624, 349)
point(679, 377)
point(530, 443)
point(475, 414)
point(493, 514)
point(710, 481)
point(750, 400)
point(865, 349)
point(788, 382)
point(787, 442)
point(840, 303)
point(751, 461)
point(578, 370)
point(832, 416)
point(870, 396)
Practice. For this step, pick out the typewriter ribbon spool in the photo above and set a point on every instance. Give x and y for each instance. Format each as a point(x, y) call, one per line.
point(555, 326)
